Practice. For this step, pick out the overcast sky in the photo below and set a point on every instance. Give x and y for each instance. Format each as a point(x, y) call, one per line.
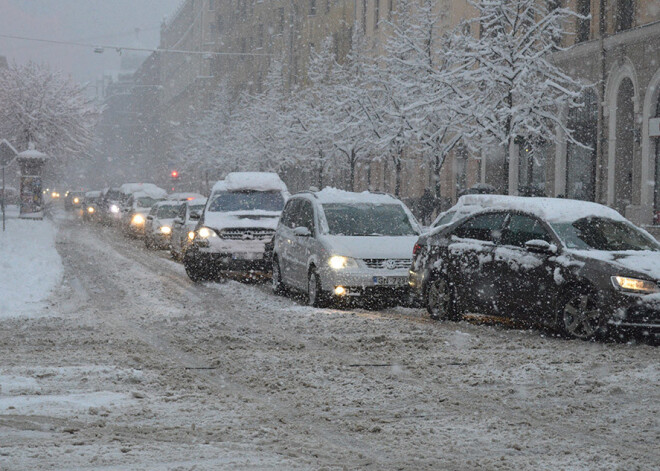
point(111, 22)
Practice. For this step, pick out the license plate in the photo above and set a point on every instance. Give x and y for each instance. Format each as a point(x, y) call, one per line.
point(390, 280)
point(247, 256)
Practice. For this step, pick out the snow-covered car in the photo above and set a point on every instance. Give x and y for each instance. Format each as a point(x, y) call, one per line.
point(334, 244)
point(159, 223)
point(91, 206)
point(73, 200)
point(239, 218)
point(183, 226)
point(110, 207)
point(465, 206)
point(577, 266)
point(184, 196)
point(135, 212)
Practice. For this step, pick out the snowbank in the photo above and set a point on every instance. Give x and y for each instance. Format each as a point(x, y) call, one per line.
point(30, 267)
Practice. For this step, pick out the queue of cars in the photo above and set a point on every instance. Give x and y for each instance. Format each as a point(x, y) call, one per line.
point(576, 266)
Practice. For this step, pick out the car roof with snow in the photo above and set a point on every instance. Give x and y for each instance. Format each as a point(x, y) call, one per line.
point(148, 188)
point(550, 209)
point(184, 196)
point(93, 194)
point(330, 195)
point(257, 181)
point(196, 201)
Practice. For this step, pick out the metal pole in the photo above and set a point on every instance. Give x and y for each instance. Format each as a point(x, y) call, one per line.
point(4, 195)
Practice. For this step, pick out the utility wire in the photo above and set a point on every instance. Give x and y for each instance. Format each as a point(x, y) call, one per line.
point(123, 48)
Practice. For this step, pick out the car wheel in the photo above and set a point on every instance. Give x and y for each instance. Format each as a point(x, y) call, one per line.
point(440, 302)
point(580, 317)
point(195, 269)
point(276, 279)
point(315, 296)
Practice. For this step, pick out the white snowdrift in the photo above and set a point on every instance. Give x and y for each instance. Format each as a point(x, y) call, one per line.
point(30, 267)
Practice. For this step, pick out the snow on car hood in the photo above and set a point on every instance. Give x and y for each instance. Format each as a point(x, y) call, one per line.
point(371, 247)
point(262, 219)
point(641, 261)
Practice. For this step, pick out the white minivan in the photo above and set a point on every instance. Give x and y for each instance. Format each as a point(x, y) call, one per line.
point(335, 244)
point(240, 217)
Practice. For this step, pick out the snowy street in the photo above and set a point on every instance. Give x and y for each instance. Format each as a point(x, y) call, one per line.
point(132, 366)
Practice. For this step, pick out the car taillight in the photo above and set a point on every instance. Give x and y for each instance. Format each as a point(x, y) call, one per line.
point(416, 249)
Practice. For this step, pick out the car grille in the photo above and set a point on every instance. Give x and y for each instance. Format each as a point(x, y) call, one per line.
point(389, 263)
point(247, 234)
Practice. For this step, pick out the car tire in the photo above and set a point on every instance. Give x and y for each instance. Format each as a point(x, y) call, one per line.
point(440, 300)
point(147, 243)
point(579, 316)
point(195, 269)
point(276, 278)
point(315, 295)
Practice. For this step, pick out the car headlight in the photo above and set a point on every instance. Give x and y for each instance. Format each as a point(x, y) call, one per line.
point(337, 262)
point(90, 210)
point(76, 200)
point(191, 235)
point(114, 208)
point(138, 219)
point(165, 230)
point(206, 233)
point(635, 285)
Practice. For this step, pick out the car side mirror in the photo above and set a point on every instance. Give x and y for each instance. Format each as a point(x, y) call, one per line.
point(195, 215)
point(540, 246)
point(178, 220)
point(302, 232)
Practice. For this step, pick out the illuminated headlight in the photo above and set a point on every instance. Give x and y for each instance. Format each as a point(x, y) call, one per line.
point(340, 291)
point(206, 233)
point(165, 230)
point(90, 210)
point(114, 208)
point(337, 262)
point(191, 235)
point(138, 219)
point(76, 200)
point(635, 285)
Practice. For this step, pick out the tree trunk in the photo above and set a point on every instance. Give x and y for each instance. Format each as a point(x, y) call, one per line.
point(397, 169)
point(351, 184)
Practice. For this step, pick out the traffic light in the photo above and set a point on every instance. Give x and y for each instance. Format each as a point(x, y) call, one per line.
point(174, 174)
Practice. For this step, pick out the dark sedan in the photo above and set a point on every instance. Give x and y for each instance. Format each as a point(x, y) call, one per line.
point(574, 265)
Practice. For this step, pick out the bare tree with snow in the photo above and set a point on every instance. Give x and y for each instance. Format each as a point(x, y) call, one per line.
point(42, 107)
point(516, 92)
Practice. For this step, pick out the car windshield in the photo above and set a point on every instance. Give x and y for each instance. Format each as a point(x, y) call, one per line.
point(167, 211)
point(603, 234)
point(364, 219)
point(227, 201)
point(198, 208)
point(146, 201)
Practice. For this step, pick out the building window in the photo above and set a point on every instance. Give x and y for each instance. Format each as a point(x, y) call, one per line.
point(312, 7)
point(460, 167)
point(532, 166)
point(581, 161)
point(376, 13)
point(583, 24)
point(281, 25)
point(624, 14)
point(364, 16)
point(327, 6)
point(656, 191)
point(211, 4)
